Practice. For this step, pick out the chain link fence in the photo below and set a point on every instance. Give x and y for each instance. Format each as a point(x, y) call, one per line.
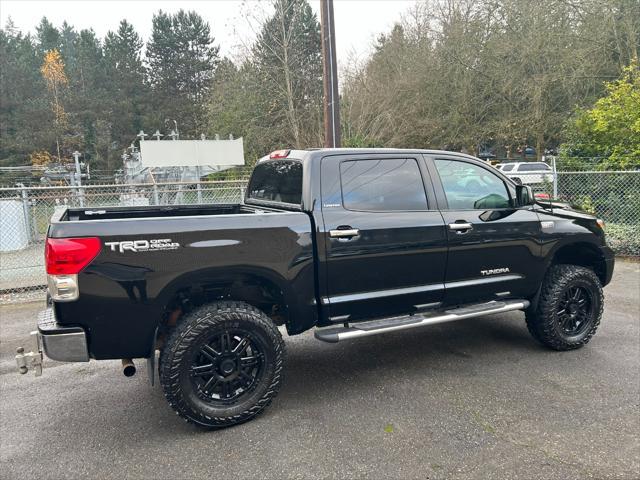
point(610, 195)
point(25, 212)
point(582, 183)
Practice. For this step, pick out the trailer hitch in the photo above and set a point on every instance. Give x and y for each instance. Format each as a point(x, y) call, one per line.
point(31, 360)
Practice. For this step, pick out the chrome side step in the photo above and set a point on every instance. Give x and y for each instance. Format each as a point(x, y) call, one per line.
point(392, 324)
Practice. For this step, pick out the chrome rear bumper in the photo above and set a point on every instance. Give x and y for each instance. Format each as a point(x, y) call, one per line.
point(60, 342)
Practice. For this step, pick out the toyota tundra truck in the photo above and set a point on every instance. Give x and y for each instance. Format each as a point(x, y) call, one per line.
point(348, 243)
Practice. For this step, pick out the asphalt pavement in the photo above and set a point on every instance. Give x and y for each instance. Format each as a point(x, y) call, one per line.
point(472, 399)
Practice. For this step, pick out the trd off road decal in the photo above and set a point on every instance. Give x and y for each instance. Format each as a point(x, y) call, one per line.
point(143, 245)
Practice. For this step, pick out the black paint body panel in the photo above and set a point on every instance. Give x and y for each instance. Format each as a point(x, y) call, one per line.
point(400, 262)
point(123, 295)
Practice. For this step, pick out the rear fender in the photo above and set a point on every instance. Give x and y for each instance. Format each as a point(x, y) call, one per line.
point(297, 318)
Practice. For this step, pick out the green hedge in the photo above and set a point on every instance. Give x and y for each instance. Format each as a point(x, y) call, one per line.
point(624, 239)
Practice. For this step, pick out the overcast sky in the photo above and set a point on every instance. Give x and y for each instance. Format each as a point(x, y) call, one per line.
point(358, 22)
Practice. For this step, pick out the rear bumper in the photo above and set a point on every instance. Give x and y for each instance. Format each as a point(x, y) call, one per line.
point(61, 342)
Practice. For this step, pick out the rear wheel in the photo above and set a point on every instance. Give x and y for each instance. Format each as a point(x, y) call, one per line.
point(569, 309)
point(222, 365)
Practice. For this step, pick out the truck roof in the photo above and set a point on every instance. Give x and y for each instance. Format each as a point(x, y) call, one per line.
point(310, 153)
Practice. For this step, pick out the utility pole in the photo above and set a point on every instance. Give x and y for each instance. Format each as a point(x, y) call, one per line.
point(78, 178)
point(329, 76)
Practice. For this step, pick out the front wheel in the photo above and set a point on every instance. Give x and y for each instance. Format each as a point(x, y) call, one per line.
point(222, 365)
point(569, 309)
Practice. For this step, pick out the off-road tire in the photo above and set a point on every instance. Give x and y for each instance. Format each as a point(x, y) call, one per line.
point(543, 322)
point(186, 340)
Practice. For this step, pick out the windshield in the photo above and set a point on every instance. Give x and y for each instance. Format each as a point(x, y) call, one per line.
point(277, 181)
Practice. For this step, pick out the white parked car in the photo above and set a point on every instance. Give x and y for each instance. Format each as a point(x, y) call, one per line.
point(527, 172)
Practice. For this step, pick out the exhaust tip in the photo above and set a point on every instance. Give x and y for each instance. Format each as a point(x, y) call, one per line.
point(128, 367)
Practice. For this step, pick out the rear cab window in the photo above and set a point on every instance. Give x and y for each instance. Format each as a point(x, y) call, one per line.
point(276, 181)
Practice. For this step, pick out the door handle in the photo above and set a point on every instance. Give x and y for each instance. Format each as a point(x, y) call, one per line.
point(460, 227)
point(344, 233)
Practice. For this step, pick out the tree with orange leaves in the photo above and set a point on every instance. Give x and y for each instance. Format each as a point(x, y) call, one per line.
point(53, 72)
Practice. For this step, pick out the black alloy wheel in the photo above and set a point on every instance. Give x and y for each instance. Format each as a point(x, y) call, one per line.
point(569, 308)
point(227, 366)
point(222, 365)
point(575, 310)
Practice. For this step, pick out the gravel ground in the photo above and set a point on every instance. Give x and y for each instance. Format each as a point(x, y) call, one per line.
point(473, 399)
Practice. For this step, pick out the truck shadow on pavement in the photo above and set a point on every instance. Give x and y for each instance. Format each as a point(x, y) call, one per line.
point(350, 369)
point(456, 349)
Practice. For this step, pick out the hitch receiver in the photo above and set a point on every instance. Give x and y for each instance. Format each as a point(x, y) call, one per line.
point(31, 360)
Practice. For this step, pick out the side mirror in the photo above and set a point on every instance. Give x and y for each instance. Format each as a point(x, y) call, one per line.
point(524, 195)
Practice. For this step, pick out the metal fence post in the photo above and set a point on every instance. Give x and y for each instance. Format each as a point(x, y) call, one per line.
point(198, 185)
point(26, 212)
point(80, 195)
point(156, 199)
point(555, 177)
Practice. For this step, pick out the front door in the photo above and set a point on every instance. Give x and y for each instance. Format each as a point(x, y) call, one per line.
point(494, 249)
point(384, 240)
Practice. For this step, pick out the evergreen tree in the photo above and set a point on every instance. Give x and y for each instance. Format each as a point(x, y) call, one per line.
point(24, 109)
point(182, 59)
point(234, 108)
point(48, 37)
point(127, 90)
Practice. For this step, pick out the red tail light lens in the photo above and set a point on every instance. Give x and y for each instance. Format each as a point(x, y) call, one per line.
point(279, 154)
point(68, 256)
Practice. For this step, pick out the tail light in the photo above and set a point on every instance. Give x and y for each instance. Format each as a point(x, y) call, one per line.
point(64, 259)
point(279, 154)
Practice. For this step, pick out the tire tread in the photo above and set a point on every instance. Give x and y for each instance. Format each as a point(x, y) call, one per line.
point(187, 331)
point(541, 321)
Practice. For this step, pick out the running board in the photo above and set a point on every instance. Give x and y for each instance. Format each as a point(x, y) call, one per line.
point(392, 324)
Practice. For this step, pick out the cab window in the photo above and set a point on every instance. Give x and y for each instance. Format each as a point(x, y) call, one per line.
point(382, 185)
point(277, 181)
point(470, 187)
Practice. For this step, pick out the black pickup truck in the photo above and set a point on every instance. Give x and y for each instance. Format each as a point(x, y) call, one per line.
point(348, 242)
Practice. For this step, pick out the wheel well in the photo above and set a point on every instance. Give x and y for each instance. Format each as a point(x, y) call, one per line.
point(582, 254)
point(258, 291)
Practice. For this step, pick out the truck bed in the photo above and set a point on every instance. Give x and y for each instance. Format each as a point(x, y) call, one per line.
point(149, 255)
point(116, 213)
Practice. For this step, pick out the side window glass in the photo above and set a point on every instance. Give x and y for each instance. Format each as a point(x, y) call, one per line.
point(382, 185)
point(470, 187)
point(533, 167)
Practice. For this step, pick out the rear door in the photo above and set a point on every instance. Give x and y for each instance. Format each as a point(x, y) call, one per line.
point(384, 240)
point(494, 249)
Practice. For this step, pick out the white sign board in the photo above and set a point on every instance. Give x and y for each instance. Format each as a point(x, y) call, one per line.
point(191, 153)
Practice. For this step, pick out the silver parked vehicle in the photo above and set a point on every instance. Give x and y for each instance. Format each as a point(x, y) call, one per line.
point(527, 173)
